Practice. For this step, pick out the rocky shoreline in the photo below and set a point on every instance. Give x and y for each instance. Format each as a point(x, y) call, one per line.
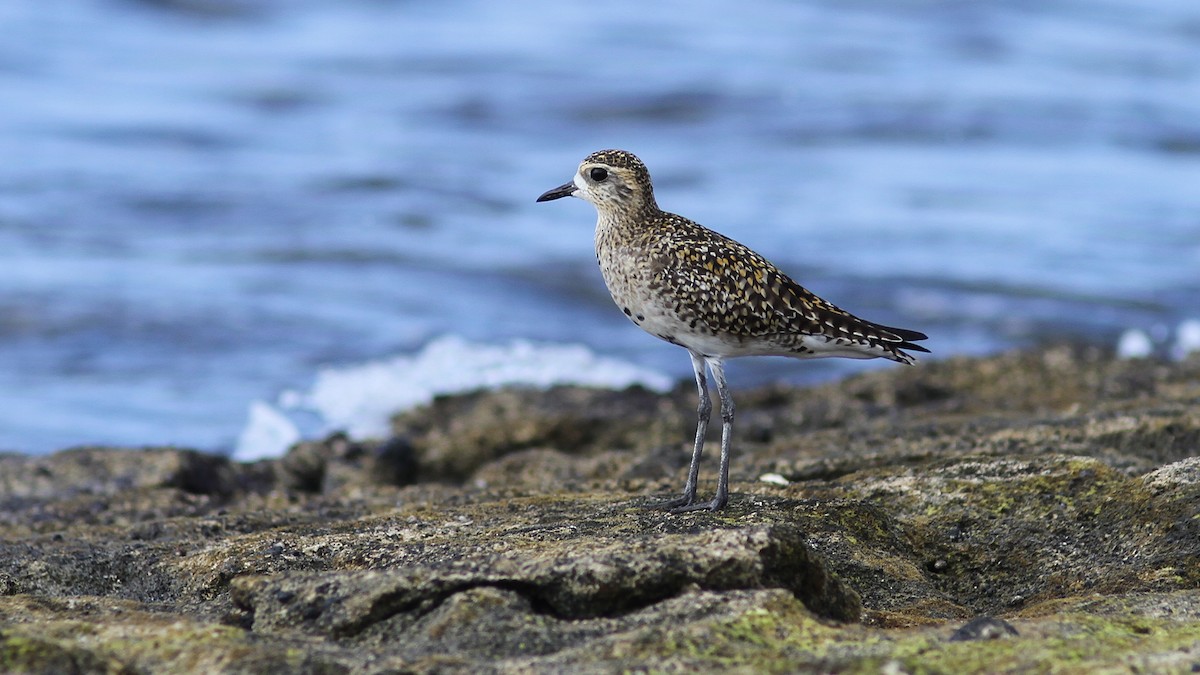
point(1020, 512)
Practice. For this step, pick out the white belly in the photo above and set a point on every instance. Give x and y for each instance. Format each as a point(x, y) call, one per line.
point(662, 323)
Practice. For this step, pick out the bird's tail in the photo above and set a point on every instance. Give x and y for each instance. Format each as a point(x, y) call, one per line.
point(895, 340)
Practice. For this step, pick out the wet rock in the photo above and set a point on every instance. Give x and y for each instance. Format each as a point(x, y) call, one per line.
point(97, 486)
point(107, 471)
point(336, 462)
point(984, 628)
point(455, 435)
point(555, 577)
point(1053, 492)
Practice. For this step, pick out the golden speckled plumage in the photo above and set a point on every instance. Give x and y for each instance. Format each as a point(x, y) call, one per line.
point(699, 289)
point(717, 290)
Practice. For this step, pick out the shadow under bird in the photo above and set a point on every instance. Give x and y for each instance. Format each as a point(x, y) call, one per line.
point(703, 291)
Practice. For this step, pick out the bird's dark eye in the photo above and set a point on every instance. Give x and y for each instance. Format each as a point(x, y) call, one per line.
point(598, 174)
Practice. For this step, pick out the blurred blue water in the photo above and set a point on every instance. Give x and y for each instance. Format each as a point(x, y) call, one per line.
point(203, 201)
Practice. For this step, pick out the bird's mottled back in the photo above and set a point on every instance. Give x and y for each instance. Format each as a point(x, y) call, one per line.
point(705, 291)
point(725, 288)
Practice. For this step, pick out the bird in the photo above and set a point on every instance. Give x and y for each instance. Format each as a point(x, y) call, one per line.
point(693, 287)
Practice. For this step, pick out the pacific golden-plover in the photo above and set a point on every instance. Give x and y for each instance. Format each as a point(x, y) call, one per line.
point(703, 291)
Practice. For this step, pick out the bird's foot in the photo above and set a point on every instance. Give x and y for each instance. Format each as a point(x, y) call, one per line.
point(714, 505)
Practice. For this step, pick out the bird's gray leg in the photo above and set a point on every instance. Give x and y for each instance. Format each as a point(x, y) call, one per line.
point(703, 411)
point(727, 409)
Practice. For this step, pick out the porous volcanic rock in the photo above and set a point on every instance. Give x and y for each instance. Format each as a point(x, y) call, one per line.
point(1029, 511)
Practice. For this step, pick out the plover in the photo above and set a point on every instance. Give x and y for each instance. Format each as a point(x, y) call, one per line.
point(703, 291)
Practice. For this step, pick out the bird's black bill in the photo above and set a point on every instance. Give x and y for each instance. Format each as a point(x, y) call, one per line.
point(564, 190)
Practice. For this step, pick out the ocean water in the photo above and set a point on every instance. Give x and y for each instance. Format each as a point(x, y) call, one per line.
point(212, 209)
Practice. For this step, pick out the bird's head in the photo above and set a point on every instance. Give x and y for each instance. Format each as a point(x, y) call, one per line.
point(614, 181)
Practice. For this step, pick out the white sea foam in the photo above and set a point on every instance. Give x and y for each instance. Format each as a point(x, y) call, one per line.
point(1134, 344)
point(359, 399)
point(1187, 339)
point(268, 432)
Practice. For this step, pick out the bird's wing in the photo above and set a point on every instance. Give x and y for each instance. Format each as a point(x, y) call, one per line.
point(737, 291)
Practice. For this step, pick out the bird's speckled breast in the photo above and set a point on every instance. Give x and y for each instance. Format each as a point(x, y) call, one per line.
point(634, 281)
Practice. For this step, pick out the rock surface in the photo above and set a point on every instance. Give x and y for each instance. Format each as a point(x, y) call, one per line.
point(1029, 511)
